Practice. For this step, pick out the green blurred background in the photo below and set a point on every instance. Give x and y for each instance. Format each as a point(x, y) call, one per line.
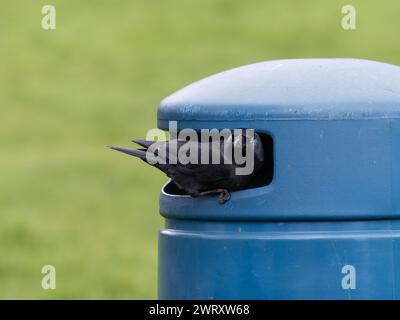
point(65, 199)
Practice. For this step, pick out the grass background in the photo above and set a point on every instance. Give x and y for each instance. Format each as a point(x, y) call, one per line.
point(65, 199)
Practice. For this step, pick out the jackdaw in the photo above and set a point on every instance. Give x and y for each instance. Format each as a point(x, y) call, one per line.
point(218, 175)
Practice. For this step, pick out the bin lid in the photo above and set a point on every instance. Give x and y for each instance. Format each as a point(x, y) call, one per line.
point(335, 126)
point(315, 89)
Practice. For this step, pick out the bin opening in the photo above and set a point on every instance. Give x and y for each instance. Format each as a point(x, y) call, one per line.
point(266, 173)
point(172, 189)
point(263, 178)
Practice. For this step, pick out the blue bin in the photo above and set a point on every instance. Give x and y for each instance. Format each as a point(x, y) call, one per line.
point(326, 224)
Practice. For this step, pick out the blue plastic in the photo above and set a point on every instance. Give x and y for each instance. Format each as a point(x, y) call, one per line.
point(271, 260)
point(335, 124)
point(306, 89)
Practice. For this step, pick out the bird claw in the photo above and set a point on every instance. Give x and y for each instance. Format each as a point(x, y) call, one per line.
point(224, 196)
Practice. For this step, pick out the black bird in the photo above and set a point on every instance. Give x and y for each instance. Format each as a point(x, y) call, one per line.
point(200, 179)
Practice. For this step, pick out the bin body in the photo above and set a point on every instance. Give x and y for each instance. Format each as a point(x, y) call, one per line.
point(279, 260)
point(327, 226)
